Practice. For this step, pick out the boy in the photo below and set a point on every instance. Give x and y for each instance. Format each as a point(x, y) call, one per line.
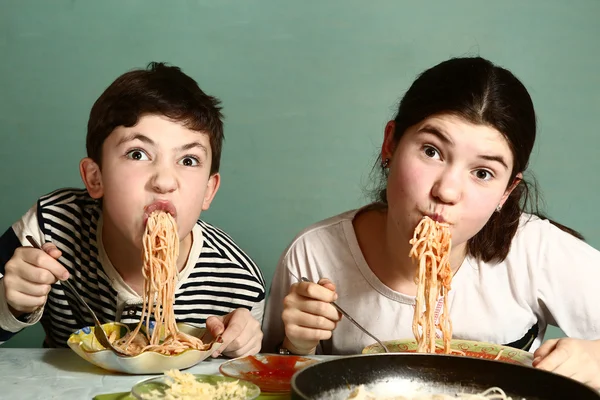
point(153, 142)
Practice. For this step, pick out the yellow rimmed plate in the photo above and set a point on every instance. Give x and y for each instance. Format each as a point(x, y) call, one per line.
point(470, 348)
point(84, 343)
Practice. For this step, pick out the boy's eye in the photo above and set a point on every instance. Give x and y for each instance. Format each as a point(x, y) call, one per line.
point(189, 161)
point(138, 155)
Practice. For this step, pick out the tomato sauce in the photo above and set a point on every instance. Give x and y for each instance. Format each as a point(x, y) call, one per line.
point(275, 374)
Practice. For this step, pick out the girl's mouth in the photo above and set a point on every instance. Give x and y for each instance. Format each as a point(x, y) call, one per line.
point(437, 217)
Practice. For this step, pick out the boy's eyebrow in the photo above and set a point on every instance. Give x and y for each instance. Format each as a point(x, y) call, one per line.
point(146, 139)
point(193, 145)
point(136, 136)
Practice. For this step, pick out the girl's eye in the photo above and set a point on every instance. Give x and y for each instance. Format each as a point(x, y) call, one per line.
point(483, 174)
point(137, 154)
point(189, 161)
point(431, 152)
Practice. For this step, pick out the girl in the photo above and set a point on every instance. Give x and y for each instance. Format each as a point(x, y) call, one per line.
point(456, 152)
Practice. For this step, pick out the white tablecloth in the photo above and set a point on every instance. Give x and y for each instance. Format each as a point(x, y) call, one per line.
point(62, 374)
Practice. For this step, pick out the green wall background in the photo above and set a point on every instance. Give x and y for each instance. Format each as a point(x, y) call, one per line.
point(307, 88)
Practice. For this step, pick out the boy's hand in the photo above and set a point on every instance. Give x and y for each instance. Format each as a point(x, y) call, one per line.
point(29, 275)
point(240, 332)
point(308, 315)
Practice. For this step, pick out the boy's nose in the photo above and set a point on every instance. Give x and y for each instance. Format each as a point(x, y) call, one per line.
point(164, 181)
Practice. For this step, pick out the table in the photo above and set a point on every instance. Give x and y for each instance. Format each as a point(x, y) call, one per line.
point(62, 374)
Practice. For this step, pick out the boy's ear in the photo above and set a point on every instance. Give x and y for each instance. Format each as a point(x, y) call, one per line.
point(92, 177)
point(211, 190)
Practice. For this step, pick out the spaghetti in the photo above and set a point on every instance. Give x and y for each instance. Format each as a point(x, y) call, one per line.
point(431, 244)
point(185, 386)
point(160, 252)
point(493, 393)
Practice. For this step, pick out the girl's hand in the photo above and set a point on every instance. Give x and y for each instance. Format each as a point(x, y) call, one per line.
point(308, 316)
point(575, 358)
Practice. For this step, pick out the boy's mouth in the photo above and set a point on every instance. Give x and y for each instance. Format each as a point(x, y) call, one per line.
point(160, 205)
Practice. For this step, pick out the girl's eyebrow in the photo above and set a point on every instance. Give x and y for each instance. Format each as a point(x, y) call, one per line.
point(434, 130)
point(498, 159)
point(441, 135)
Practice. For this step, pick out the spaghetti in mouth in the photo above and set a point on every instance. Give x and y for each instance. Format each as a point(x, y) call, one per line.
point(160, 205)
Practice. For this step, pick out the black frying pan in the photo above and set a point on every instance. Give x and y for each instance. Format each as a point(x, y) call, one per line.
point(412, 374)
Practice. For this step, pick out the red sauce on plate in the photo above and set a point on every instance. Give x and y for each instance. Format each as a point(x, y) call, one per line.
point(274, 374)
point(275, 367)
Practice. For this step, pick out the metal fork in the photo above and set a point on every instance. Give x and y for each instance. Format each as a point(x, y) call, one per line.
point(345, 314)
point(98, 331)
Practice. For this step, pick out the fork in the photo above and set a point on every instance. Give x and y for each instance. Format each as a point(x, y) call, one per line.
point(98, 331)
point(345, 314)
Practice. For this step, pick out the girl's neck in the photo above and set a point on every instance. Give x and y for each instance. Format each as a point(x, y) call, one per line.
point(386, 251)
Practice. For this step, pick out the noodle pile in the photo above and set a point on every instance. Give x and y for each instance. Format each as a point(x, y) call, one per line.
point(431, 244)
point(184, 386)
point(160, 252)
point(493, 393)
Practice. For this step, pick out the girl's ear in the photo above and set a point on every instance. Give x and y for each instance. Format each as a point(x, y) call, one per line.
point(388, 147)
point(509, 190)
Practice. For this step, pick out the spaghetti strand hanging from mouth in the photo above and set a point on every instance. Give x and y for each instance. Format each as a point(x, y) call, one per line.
point(431, 245)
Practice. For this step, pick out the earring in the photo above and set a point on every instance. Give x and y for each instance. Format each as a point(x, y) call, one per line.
point(499, 208)
point(386, 163)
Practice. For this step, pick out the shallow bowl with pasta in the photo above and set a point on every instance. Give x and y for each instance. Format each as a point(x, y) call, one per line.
point(470, 348)
point(85, 344)
point(212, 387)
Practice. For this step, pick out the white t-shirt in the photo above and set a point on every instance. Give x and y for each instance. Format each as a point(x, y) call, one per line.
point(548, 277)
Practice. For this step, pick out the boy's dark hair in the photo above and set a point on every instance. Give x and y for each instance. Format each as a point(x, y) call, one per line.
point(162, 90)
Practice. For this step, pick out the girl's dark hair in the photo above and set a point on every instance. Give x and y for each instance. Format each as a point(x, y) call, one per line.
point(481, 93)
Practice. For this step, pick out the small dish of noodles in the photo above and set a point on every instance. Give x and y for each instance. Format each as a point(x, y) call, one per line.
point(177, 385)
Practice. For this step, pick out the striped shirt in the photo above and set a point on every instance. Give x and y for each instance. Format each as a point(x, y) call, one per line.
point(217, 279)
